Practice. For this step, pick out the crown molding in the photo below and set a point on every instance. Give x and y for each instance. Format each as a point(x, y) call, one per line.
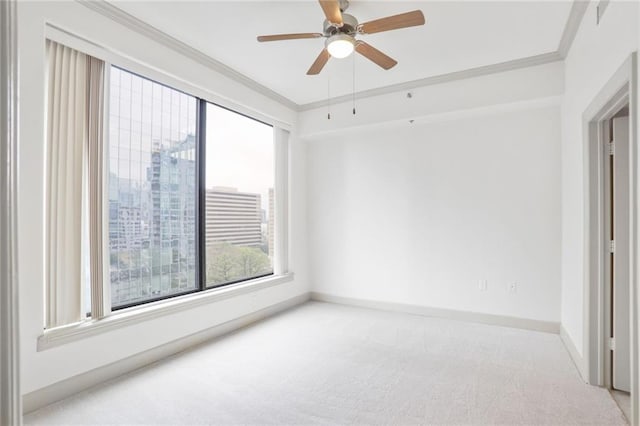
point(529, 61)
point(116, 14)
point(578, 9)
point(131, 22)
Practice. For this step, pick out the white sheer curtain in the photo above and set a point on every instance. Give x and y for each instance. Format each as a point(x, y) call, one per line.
point(74, 137)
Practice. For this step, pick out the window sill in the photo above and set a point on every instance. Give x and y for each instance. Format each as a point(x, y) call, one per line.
point(134, 315)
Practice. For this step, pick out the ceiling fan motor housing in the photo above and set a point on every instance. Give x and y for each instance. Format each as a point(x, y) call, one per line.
point(349, 26)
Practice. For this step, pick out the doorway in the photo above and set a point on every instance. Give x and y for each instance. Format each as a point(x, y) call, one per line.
point(617, 277)
point(611, 240)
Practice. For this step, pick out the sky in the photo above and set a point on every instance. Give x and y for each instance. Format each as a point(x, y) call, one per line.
point(239, 153)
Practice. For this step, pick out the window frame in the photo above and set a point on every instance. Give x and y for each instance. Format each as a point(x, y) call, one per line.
point(200, 198)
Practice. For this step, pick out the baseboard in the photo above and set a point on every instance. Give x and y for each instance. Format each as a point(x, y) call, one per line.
point(58, 391)
point(578, 361)
point(505, 321)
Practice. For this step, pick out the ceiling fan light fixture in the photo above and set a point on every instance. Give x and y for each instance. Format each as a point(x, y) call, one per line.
point(340, 45)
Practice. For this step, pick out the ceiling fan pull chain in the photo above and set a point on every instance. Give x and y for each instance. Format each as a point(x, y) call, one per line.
point(329, 97)
point(353, 98)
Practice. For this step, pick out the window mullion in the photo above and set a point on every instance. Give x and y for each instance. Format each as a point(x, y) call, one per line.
point(201, 126)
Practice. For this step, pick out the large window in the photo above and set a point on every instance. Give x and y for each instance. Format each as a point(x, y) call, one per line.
point(152, 192)
point(239, 207)
point(164, 146)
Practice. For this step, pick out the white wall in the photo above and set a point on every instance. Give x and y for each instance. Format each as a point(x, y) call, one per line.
point(40, 369)
point(597, 52)
point(418, 213)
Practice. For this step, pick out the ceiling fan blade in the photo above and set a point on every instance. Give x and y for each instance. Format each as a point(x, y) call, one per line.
point(277, 37)
point(331, 9)
point(319, 63)
point(395, 22)
point(374, 55)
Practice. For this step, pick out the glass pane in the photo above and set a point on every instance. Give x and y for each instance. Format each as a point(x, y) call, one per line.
point(152, 190)
point(239, 206)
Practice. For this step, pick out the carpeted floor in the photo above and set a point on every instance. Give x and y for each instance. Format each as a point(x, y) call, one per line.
point(332, 364)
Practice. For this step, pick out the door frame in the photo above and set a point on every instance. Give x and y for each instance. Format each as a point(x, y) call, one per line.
point(10, 396)
point(618, 91)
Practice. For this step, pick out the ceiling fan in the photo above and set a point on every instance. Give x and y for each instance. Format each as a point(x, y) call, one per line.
point(340, 30)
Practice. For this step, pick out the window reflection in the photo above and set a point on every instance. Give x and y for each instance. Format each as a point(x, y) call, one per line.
point(152, 190)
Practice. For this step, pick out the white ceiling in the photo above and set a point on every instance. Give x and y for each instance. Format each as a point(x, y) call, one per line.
point(457, 36)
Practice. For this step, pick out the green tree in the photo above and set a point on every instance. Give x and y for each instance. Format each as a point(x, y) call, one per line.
point(253, 261)
point(220, 263)
point(226, 262)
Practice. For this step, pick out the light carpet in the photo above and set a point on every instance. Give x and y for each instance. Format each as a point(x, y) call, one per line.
point(333, 364)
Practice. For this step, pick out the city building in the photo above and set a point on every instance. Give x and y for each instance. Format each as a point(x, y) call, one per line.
point(152, 232)
point(233, 217)
point(127, 229)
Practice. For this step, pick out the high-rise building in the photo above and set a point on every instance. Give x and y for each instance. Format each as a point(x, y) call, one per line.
point(173, 226)
point(152, 226)
point(127, 229)
point(233, 217)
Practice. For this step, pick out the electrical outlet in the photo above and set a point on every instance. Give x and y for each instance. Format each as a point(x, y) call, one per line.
point(513, 287)
point(482, 285)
